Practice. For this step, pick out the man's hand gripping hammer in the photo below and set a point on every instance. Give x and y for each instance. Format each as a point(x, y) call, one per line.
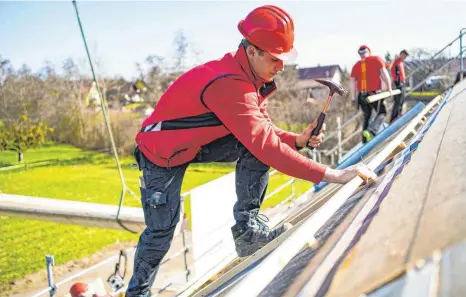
point(334, 88)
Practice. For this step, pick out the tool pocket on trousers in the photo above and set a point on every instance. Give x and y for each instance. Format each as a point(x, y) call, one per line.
point(157, 212)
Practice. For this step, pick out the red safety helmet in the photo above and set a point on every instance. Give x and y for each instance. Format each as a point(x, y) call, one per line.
point(81, 289)
point(271, 29)
point(363, 48)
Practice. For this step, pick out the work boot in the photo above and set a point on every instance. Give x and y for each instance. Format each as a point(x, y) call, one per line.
point(367, 135)
point(252, 236)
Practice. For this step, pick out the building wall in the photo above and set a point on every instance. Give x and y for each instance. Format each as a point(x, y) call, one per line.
point(314, 90)
point(337, 77)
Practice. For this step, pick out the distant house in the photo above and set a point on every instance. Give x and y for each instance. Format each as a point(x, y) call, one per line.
point(114, 90)
point(91, 95)
point(311, 89)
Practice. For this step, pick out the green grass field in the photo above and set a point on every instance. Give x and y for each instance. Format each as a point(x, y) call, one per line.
point(74, 174)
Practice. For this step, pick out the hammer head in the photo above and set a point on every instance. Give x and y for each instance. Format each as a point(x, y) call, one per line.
point(334, 87)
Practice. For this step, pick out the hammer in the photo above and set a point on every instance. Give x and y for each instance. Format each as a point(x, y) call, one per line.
point(334, 88)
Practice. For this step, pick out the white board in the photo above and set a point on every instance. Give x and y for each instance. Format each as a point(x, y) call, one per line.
point(212, 219)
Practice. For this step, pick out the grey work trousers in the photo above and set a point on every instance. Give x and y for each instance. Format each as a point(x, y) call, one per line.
point(378, 107)
point(161, 203)
point(398, 101)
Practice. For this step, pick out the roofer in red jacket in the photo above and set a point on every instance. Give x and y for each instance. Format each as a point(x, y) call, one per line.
point(216, 112)
point(366, 79)
point(399, 78)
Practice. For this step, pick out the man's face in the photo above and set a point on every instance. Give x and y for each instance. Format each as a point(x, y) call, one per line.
point(364, 54)
point(263, 64)
point(403, 57)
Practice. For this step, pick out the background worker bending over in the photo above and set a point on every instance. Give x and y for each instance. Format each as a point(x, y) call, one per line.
point(366, 79)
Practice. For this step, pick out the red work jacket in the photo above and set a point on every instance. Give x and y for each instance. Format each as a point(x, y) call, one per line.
point(211, 101)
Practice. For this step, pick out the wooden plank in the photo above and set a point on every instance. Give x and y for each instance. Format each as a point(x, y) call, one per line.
point(382, 95)
point(306, 210)
point(398, 149)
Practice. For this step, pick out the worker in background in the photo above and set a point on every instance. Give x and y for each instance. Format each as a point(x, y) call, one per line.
point(217, 112)
point(399, 79)
point(367, 76)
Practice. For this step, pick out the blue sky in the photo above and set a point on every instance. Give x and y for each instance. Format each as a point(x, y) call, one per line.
point(120, 34)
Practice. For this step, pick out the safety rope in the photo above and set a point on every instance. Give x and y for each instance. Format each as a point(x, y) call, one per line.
point(103, 105)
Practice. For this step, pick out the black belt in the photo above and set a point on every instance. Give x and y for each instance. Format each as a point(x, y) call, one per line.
point(203, 120)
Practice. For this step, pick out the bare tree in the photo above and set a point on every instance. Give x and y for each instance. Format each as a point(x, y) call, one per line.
point(181, 49)
point(156, 78)
point(288, 108)
point(195, 53)
point(6, 69)
point(425, 64)
point(419, 53)
point(6, 72)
